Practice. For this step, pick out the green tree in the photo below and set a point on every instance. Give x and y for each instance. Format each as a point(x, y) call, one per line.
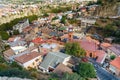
point(74, 49)
point(3, 66)
point(86, 70)
point(15, 32)
point(14, 72)
point(4, 35)
point(45, 15)
point(2, 45)
point(16, 65)
point(63, 20)
point(112, 57)
point(66, 76)
point(73, 76)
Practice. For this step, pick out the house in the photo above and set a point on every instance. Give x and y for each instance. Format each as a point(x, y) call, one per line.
point(115, 66)
point(89, 46)
point(61, 68)
point(100, 56)
point(7, 54)
point(12, 39)
point(21, 25)
point(52, 59)
point(114, 50)
point(29, 60)
point(18, 46)
point(27, 29)
point(105, 45)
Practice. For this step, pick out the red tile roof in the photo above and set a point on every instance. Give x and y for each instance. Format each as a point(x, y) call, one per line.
point(27, 57)
point(88, 45)
point(38, 40)
point(106, 45)
point(116, 62)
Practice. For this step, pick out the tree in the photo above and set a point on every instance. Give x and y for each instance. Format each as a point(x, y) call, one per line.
point(2, 45)
point(15, 32)
point(73, 76)
point(16, 65)
point(63, 20)
point(74, 49)
point(14, 72)
point(4, 35)
point(66, 76)
point(86, 70)
point(112, 57)
point(45, 15)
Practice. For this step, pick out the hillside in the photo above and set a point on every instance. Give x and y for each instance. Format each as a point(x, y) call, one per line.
point(108, 8)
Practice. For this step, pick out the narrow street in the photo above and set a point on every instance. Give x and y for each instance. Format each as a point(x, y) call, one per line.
point(102, 73)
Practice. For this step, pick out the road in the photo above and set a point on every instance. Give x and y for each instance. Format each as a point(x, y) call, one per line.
point(102, 73)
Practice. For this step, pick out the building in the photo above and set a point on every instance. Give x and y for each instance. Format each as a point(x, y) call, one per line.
point(7, 54)
point(52, 60)
point(21, 25)
point(61, 68)
point(100, 56)
point(114, 50)
point(115, 66)
point(29, 60)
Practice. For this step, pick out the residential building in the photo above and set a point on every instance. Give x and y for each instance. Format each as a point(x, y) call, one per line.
point(21, 25)
point(29, 60)
point(115, 66)
point(61, 68)
point(7, 54)
point(52, 60)
point(114, 50)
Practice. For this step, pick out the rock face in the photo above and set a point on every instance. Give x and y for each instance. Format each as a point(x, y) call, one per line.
point(108, 9)
point(12, 78)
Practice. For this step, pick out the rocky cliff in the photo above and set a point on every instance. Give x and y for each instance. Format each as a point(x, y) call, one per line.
point(108, 9)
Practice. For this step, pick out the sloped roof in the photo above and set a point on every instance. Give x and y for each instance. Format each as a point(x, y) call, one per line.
point(88, 45)
point(52, 59)
point(9, 52)
point(26, 57)
point(101, 56)
point(115, 49)
point(116, 62)
point(37, 40)
point(61, 68)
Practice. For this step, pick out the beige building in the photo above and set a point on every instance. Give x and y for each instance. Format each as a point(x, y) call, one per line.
point(29, 60)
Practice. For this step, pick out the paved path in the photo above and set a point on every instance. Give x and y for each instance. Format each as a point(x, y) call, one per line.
point(102, 73)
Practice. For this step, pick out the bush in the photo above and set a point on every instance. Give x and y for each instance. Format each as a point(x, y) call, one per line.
point(4, 35)
point(112, 57)
point(14, 72)
point(15, 32)
point(74, 49)
point(86, 70)
point(16, 65)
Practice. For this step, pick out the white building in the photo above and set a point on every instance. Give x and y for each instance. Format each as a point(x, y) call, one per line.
point(21, 25)
point(29, 60)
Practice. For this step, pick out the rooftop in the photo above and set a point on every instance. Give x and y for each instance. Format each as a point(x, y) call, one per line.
point(61, 68)
point(8, 52)
point(116, 62)
point(52, 59)
point(27, 57)
point(101, 56)
point(88, 45)
point(115, 48)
